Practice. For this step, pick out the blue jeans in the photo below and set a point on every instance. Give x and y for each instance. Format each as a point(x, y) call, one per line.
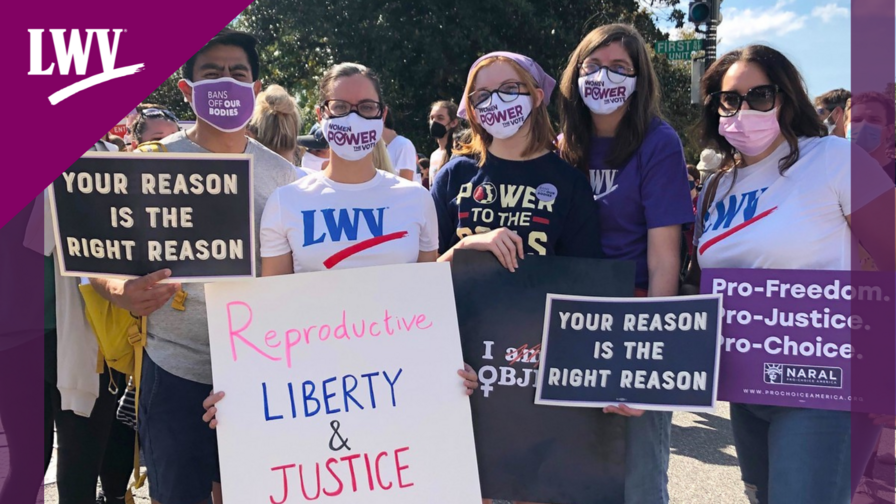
point(794, 455)
point(647, 458)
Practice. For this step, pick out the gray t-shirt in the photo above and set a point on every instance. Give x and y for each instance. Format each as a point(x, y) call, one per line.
point(178, 340)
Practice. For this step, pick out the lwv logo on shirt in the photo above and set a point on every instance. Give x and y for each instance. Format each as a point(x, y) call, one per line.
point(602, 182)
point(345, 224)
point(75, 52)
point(728, 209)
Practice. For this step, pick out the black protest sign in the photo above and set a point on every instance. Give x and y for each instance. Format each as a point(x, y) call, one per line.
point(649, 353)
point(129, 214)
point(530, 452)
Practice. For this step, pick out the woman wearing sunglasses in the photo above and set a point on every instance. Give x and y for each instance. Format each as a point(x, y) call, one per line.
point(152, 125)
point(312, 224)
point(796, 181)
point(507, 192)
point(612, 129)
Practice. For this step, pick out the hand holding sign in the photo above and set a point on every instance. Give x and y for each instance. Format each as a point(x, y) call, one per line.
point(144, 295)
point(624, 411)
point(210, 409)
point(502, 242)
point(471, 379)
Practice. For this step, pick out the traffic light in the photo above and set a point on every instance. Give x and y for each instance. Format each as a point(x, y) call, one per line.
point(699, 11)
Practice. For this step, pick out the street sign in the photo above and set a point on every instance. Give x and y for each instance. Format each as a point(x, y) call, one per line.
point(678, 49)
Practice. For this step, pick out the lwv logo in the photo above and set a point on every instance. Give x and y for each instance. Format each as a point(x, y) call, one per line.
point(76, 53)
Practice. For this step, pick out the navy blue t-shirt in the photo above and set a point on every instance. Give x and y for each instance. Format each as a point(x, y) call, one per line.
point(545, 200)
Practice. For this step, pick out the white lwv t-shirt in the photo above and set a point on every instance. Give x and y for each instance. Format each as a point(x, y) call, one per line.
point(792, 221)
point(329, 225)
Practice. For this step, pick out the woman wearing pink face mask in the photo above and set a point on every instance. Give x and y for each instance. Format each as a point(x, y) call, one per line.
point(783, 203)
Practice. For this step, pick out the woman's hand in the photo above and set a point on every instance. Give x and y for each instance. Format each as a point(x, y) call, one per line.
point(624, 411)
point(504, 243)
point(471, 381)
point(210, 409)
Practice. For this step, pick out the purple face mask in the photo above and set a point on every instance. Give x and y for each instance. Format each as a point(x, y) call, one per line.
point(225, 103)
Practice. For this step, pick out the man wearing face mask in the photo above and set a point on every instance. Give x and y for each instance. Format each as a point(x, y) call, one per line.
point(870, 126)
point(220, 83)
point(317, 153)
point(831, 109)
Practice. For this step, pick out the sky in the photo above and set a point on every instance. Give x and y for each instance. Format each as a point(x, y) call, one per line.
point(813, 34)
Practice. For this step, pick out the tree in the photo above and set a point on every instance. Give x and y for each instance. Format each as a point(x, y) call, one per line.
point(675, 81)
point(422, 49)
point(170, 96)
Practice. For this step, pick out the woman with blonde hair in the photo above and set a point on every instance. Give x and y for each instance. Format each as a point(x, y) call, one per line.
point(394, 219)
point(276, 121)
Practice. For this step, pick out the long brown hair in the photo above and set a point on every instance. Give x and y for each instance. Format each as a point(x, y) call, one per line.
point(643, 106)
point(797, 116)
point(541, 133)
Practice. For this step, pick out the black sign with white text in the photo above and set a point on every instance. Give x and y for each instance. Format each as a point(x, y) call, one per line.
point(129, 214)
point(529, 452)
point(648, 353)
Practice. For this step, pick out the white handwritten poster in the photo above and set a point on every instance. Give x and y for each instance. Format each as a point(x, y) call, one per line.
point(341, 386)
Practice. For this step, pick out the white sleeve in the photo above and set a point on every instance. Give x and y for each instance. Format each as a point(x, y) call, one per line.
point(407, 157)
point(429, 234)
point(847, 166)
point(274, 241)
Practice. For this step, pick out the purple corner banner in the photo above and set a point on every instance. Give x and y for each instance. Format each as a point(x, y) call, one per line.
point(792, 337)
point(58, 109)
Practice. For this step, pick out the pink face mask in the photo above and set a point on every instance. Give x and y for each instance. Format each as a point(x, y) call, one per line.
point(750, 132)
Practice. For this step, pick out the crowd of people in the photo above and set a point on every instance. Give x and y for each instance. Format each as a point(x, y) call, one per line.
point(609, 180)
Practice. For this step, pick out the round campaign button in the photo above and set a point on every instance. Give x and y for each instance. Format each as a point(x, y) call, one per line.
point(546, 192)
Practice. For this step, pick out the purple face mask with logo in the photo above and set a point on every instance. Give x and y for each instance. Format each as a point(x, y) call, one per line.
point(225, 103)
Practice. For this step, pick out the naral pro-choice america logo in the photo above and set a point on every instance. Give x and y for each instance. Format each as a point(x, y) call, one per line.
point(809, 376)
point(77, 53)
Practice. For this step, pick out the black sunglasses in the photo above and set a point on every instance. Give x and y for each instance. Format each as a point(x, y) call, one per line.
point(760, 98)
point(693, 185)
point(154, 112)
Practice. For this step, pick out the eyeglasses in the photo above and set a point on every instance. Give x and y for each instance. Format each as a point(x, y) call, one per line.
point(508, 92)
point(154, 112)
point(615, 73)
point(760, 98)
point(692, 185)
point(368, 109)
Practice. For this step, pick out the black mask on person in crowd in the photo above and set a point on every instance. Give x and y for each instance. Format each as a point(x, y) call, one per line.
point(437, 130)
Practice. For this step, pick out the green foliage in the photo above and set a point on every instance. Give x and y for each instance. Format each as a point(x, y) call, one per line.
point(170, 96)
point(675, 84)
point(422, 49)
